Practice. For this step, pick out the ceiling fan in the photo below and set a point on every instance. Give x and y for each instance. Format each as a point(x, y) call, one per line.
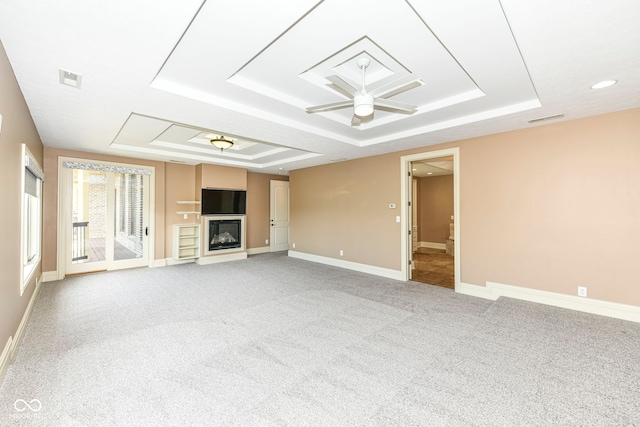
point(364, 102)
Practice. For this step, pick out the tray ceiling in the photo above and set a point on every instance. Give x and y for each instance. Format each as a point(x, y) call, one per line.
point(159, 79)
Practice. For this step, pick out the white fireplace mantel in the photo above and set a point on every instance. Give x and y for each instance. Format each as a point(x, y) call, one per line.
point(222, 255)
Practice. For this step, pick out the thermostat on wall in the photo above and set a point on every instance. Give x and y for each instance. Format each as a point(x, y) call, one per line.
point(392, 205)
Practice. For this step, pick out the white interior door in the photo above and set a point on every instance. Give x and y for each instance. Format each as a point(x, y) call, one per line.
point(279, 213)
point(106, 214)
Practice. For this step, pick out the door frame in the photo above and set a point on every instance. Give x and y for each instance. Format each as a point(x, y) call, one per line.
point(405, 210)
point(63, 195)
point(272, 205)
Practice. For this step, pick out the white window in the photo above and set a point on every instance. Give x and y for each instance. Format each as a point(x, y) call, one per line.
point(31, 216)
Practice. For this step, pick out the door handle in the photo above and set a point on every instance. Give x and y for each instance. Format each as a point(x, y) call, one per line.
point(146, 231)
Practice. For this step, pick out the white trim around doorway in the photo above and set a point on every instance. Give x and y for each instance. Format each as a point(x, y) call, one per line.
point(62, 225)
point(405, 180)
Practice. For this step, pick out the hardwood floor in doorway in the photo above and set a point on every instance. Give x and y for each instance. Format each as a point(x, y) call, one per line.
point(433, 267)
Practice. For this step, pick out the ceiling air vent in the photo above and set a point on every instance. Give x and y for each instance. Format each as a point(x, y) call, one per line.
point(544, 119)
point(70, 79)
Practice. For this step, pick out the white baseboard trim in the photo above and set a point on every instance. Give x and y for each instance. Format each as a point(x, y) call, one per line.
point(221, 258)
point(5, 359)
point(571, 302)
point(433, 245)
point(158, 263)
point(173, 261)
point(256, 251)
point(25, 320)
point(13, 343)
point(50, 276)
point(363, 268)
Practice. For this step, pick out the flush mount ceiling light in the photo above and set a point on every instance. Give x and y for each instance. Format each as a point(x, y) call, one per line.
point(222, 143)
point(603, 84)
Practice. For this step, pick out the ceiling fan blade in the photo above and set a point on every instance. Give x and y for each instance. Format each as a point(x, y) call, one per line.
point(396, 106)
point(395, 87)
point(357, 121)
point(341, 86)
point(330, 107)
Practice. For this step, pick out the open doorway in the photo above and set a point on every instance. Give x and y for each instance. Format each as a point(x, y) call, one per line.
point(429, 244)
point(432, 230)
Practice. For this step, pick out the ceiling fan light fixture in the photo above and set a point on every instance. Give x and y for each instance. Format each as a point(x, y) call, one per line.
point(222, 143)
point(363, 105)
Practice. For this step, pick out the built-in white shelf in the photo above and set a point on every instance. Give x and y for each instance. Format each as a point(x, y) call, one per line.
point(186, 241)
point(192, 212)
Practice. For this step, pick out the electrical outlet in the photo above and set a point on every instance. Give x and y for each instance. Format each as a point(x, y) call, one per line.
point(266, 242)
point(294, 246)
point(341, 252)
point(582, 291)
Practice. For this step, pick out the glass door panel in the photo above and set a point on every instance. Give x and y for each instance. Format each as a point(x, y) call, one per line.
point(108, 214)
point(129, 230)
point(89, 215)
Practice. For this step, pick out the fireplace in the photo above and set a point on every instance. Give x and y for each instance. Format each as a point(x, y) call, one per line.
point(223, 234)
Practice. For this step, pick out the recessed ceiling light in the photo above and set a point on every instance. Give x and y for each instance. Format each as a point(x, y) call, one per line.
point(429, 173)
point(603, 84)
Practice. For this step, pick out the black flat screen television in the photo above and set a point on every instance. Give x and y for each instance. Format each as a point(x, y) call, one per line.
point(216, 201)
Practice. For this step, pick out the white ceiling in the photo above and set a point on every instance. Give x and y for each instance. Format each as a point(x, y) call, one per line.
point(160, 78)
point(432, 167)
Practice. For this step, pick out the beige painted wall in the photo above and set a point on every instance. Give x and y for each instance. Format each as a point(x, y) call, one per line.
point(550, 207)
point(345, 206)
point(178, 186)
point(215, 176)
point(435, 207)
point(258, 208)
point(17, 128)
point(50, 212)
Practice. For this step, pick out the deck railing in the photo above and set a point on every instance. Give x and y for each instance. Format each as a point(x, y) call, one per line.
point(79, 242)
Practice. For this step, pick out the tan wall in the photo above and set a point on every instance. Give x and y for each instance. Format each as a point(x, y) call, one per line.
point(258, 208)
point(174, 182)
point(215, 176)
point(550, 208)
point(345, 206)
point(17, 128)
point(435, 205)
point(179, 185)
point(50, 212)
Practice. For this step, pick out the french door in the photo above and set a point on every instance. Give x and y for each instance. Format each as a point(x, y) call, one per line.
point(106, 211)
